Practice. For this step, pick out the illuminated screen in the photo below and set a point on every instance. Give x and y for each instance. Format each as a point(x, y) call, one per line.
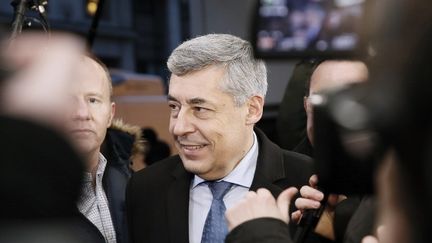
point(308, 28)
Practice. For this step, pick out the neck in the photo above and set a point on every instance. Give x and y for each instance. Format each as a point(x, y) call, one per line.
point(92, 160)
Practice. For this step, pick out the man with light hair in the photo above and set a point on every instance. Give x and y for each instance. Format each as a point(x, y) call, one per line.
point(216, 95)
point(103, 188)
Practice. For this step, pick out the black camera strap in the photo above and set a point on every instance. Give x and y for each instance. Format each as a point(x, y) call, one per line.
point(309, 221)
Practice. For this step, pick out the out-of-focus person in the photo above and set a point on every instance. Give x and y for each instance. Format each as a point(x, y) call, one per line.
point(41, 75)
point(401, 90)
point(291, 120)
point(123, 146)
point(326, 75)
point(157, 149)
point(343, 220)
point(41, 173)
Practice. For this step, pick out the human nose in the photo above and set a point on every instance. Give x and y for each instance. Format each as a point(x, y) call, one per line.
point(182, 124)
point(81, 110)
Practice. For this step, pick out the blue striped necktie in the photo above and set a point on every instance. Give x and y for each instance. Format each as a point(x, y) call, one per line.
point(215, 227)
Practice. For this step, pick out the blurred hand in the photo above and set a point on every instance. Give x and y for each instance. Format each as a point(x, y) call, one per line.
point(43, 75)
point(260, 204)
point(370, 239)
point(382, 236)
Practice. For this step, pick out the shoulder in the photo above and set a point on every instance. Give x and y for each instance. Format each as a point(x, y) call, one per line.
point(269, 148)
point(157, 172)
point(295, 157)
point(297, 168)
point(298, 164)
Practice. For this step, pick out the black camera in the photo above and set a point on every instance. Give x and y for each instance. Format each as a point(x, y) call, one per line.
point(349, 141)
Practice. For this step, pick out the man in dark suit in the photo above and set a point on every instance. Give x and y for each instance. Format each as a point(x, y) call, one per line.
point(216, 95)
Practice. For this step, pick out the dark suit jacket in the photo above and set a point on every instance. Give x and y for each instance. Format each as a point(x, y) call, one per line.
point(158, 196)
point(117, 173)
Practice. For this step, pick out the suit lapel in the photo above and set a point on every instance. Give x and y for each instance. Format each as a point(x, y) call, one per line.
point(270, 165)
point(178, 205)
point(260, 181)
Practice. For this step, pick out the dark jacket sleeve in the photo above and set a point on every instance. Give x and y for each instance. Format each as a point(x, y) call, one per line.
point(362, 222)
point(260, 230)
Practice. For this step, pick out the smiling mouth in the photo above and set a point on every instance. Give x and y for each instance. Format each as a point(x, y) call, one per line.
point(192, 147)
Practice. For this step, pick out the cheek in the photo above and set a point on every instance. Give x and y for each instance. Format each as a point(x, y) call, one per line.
point(106, 121)
point(102, 118)
point(171, 124)
point(171, 127)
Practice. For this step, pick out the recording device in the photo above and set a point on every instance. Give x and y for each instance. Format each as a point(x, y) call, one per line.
point(309, 28)
point(349, 143)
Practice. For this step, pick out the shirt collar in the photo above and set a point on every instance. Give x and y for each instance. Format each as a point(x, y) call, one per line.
point(100, 169)
point(101, 165)
point(243, 173)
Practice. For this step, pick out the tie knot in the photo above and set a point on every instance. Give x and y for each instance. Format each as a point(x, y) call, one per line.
point(219, 188)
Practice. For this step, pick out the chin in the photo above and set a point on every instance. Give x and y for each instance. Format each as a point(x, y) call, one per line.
point(194, 166)
point(85, 148)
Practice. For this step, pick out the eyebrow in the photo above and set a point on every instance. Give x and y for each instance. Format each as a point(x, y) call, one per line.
point(196, 101)
point(171, 98)
point(94, 94)
point(193, 101)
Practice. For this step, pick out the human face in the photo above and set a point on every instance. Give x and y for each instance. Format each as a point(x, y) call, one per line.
point(211, 133)
point(92, 110)
point(330, 75)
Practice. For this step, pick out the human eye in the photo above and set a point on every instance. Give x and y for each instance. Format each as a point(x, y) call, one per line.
point(175, 108)
point(94, 100)
point(202, 112)
point(200, 109)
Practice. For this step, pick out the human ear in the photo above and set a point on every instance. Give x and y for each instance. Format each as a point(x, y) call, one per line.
point(255, 109)
point(112, 113)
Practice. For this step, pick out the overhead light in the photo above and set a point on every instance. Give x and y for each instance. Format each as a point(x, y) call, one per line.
point(92, 6)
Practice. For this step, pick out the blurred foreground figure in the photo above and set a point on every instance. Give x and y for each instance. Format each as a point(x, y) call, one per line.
point(404, 75)
point(344, 220)
point(399, 97)
point(41, 173)
point(41, 71)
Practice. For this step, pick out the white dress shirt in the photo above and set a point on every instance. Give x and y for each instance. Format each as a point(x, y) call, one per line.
point(93, 203)
point(201, 197)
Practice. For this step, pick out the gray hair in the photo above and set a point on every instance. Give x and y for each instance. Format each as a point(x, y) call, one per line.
point(245, 76)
